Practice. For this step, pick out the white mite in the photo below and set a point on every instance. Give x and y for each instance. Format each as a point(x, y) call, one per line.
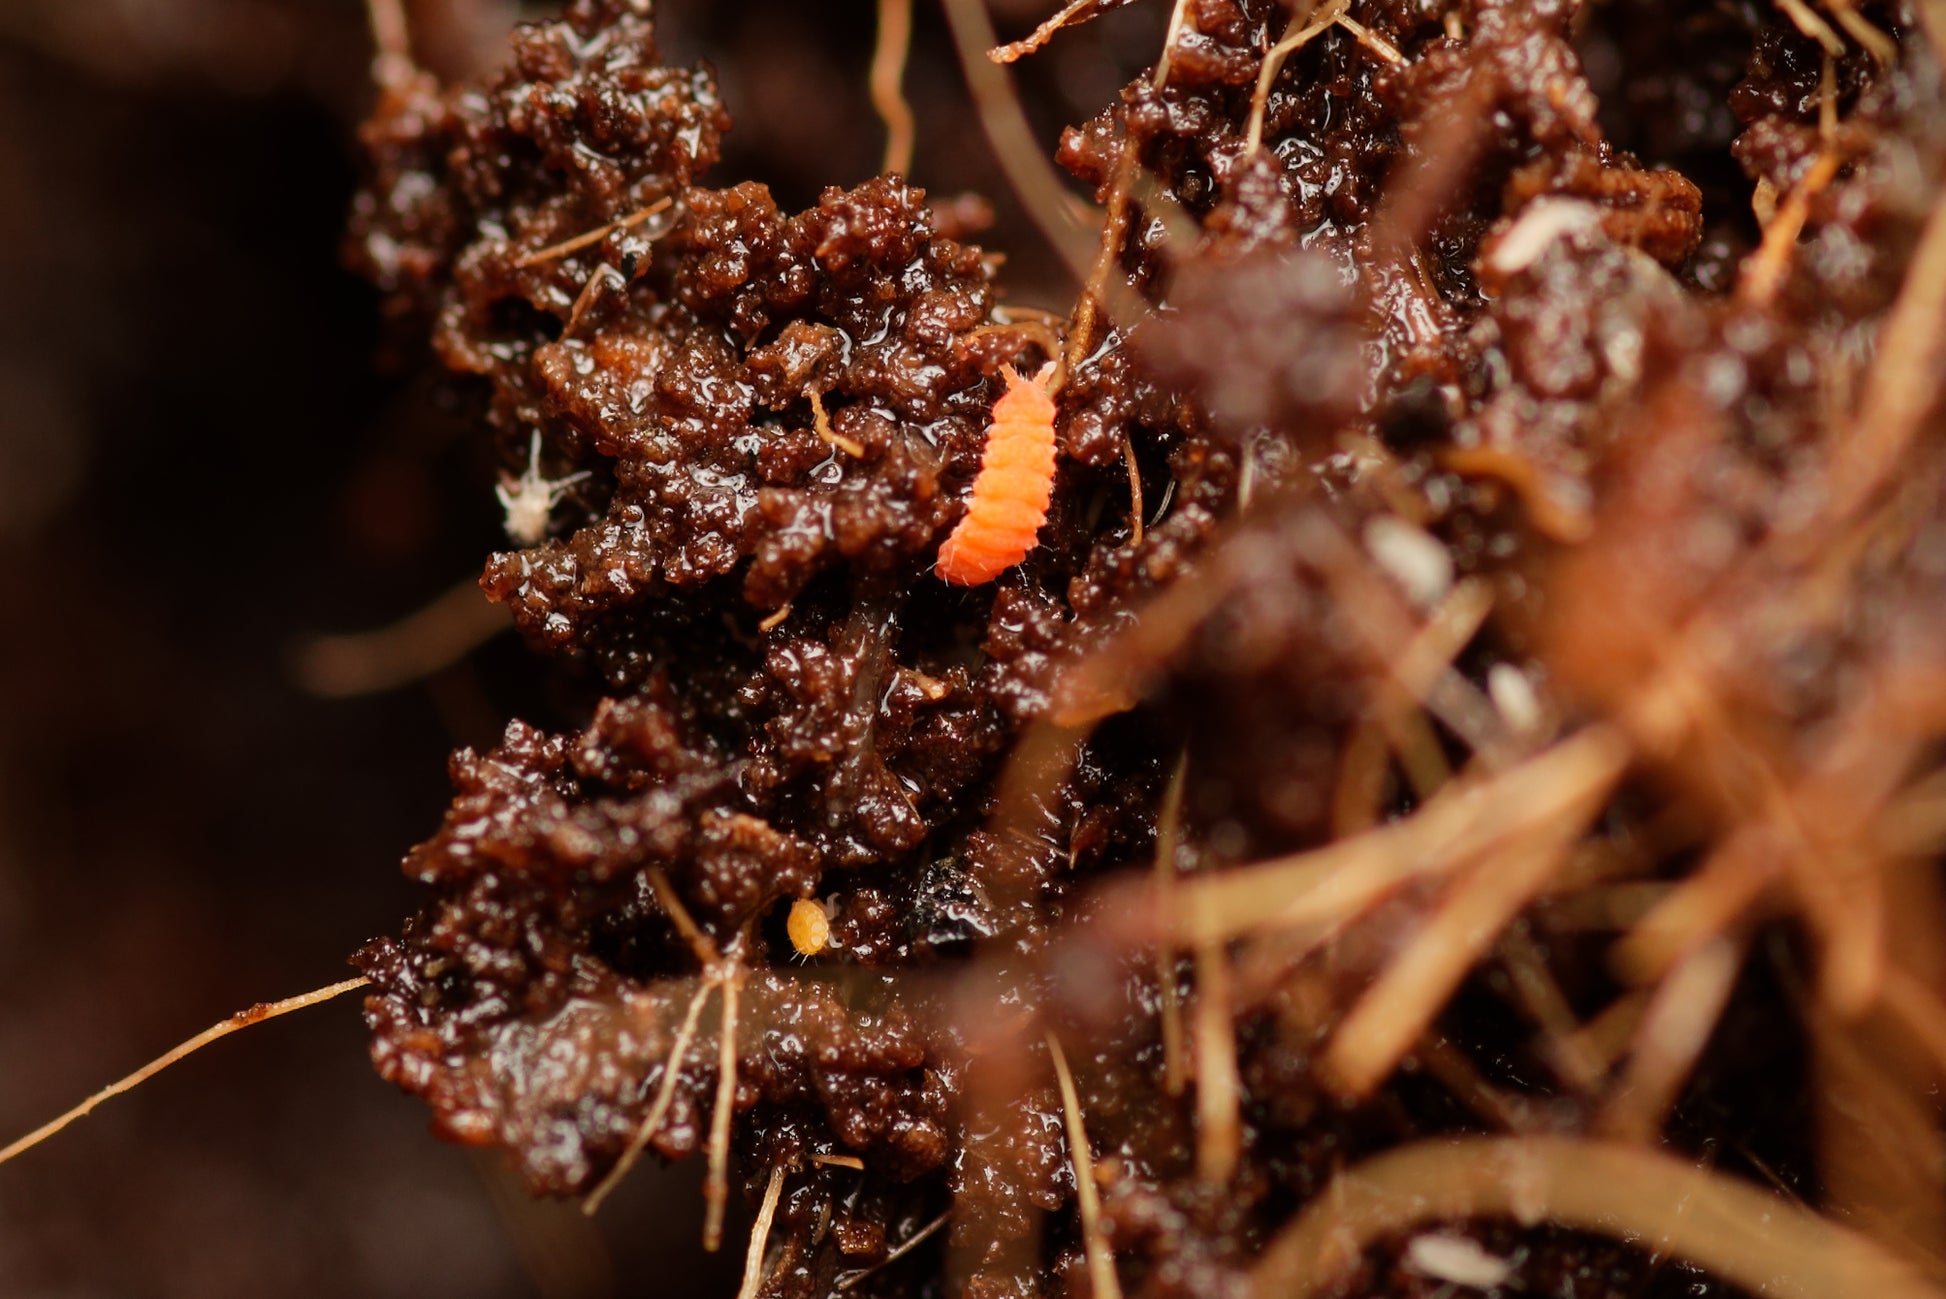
point(1539, 225)
point(1513, 693)
point(1457, 1260)
point(529, 500)
point(1418, 561)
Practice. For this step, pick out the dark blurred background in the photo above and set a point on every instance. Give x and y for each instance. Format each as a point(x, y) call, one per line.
point(202, 467)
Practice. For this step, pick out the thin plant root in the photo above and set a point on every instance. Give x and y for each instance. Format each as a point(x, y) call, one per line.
point(718, 972)
point(1094, 289)
point(753, 1260)
point(1329, 885)
point(1808, 21)
point(392, 64)
point(257, 1014)
point(1553, 508)
point(1757, 1241)
point(1670, 1039)
point(1177, 14)
point(1458, 1074)
point(1005, 123)
point(1096, 295)
point(1902, 386)
point(596, 235)
point(412, 649)
point(1038, 333)
point(1883, 49)
point(852, 1162)
point(906, 1246)
point(664, 1097)
point(1600, 1042)
point(700, 943)
point(1219, 1095)
point(590, 292)
point(1101, 1260)
point(888, 83)
point(1702, 906)
point(1371, 40)
point(1546, 1005)
point(1396, 1010)
point(1918, 1010)
point(1296, 36)
point(1014, 51)
point(1765, 269)
point(821, 424)
point(1414, 671)
point(1879, 1143)
point(1168, 834)
point(1364, 770)
point(716, 1188)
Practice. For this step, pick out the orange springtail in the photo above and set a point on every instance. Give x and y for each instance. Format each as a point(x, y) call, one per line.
point(809, 926)
point(1015, 484)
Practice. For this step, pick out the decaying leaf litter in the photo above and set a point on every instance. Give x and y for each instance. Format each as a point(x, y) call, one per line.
point(1478, 675)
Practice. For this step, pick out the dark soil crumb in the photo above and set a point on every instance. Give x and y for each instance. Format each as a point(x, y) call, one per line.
point(1497, 301)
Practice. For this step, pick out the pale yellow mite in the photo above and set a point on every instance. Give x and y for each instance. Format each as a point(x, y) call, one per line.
point(809, 926)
